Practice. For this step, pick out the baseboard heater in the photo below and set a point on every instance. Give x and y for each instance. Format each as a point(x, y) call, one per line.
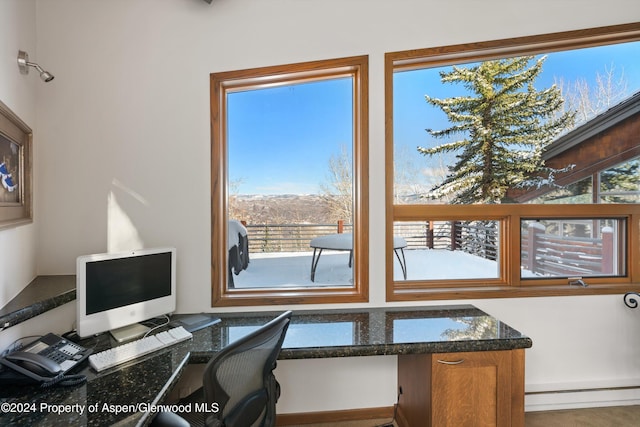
point(581, 398)
point(582, 390)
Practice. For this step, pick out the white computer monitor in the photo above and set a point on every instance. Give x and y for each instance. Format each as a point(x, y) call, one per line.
point(116, 291)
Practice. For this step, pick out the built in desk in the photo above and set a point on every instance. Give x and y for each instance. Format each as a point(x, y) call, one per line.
point(44, 293)
point(121, 395)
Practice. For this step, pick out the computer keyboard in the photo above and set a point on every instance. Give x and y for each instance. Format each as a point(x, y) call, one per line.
point(134, 349)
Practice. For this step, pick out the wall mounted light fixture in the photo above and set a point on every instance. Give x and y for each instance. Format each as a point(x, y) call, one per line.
point(24, 64)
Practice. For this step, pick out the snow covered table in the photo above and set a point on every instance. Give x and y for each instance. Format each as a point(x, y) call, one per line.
point(344, 242)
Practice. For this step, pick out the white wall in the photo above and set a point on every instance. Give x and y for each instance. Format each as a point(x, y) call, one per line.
point(123, 159)
point(18, 92)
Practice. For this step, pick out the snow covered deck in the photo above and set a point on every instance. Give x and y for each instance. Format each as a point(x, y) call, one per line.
point(293, 269)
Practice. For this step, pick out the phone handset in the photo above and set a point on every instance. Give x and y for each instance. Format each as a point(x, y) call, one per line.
point(47, 360)
point(34, 365)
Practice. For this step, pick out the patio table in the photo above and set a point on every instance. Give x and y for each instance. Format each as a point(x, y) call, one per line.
point(344, 242)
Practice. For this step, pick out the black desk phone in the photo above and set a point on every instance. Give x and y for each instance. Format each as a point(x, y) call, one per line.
point(47, 360)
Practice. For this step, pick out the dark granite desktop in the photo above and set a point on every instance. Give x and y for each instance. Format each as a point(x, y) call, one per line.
point(44, 293)
point(123, 394)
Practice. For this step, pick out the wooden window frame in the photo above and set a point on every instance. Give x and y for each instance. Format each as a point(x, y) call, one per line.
point(256, 78)
point(509, 284)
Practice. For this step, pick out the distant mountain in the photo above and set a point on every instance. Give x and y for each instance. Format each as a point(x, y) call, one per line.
point(280, 209)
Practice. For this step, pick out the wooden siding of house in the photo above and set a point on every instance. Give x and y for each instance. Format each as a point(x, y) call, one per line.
point(610, 147)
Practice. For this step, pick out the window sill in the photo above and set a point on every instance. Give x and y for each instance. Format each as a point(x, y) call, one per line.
point(509, 292)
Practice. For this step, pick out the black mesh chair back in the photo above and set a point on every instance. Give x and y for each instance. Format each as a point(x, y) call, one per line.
point(240, 379)
point(239, 387)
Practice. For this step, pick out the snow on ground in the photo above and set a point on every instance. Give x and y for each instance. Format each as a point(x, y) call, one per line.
point(293, 269)
point(429, 264)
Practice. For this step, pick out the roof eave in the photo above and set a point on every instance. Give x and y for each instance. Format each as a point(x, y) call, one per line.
point(598, 124)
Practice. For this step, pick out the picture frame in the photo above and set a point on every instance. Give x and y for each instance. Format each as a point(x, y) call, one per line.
point(15, 170)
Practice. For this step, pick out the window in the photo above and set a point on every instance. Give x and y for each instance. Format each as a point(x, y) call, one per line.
point(436, 249)
point(443, 203)
point(573, 247)
point(290, 184)
point(576, 192)
point(621, 183)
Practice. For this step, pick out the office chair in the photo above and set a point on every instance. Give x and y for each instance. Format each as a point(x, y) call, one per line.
point(239, 388)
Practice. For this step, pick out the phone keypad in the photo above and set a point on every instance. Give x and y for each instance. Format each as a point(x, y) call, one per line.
point(63, 351)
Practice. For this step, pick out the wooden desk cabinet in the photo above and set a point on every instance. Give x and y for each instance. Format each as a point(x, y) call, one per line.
point(484, 388)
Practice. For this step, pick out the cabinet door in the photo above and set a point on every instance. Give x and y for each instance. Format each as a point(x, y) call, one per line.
point(471, 389)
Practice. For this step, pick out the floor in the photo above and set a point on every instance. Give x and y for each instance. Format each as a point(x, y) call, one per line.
point(618, 416)
point(615, 416)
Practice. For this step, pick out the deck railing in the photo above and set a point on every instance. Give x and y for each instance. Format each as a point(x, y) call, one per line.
point(553, 255)
point(289, 237)
point(542, 254)
point(473, 237)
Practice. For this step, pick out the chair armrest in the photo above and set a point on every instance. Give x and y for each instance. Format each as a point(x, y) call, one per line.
point(169, 419)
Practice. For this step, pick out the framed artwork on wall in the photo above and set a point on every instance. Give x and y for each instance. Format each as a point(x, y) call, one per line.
point(15, 170)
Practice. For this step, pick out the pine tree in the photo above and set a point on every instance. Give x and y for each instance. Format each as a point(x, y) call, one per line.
point(504, 126)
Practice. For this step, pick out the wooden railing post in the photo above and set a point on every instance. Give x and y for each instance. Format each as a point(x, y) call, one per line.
point(341, 226)
point(430, 234)
point(454, 235)
point(607, 250)
point(535, 229)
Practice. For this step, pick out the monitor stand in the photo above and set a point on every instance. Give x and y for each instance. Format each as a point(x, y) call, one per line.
point(130, 332)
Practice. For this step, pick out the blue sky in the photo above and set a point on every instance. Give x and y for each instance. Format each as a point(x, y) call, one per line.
point(412, 114)
point(281, 138)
